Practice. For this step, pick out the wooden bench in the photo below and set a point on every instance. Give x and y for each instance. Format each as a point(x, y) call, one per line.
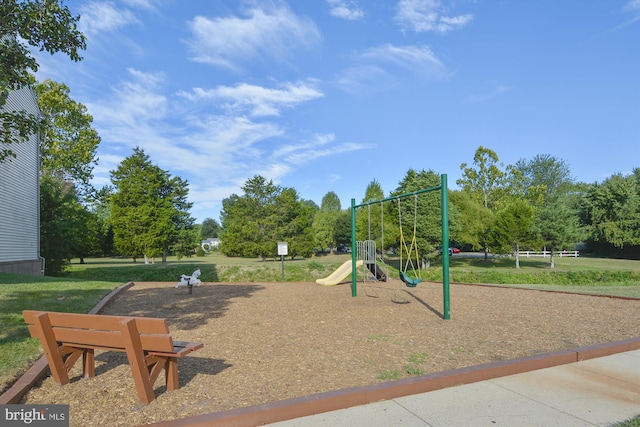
point(67, 337)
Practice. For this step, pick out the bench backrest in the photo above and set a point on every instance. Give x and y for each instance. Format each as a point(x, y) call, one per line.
point(101, 331)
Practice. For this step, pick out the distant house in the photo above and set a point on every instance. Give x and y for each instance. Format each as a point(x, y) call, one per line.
point(210, 243)
point(20, 196)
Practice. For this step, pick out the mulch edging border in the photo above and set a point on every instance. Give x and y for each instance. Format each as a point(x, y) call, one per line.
point(345, 398)
point(288, 409)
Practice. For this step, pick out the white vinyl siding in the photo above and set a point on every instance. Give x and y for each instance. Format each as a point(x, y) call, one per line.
point(19, 190)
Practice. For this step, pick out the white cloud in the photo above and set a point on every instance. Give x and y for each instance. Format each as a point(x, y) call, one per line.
point(265, 34)
point(320, 146)
point(428, 15)
point(317, 141)
point(497, 90)
point(134, 102)
point(380, 66)
point(345, 9)
point(361, 77)
point(408, 57)
point(258, 100)
point(632, 6)
point(144, 4)
point(100, 17)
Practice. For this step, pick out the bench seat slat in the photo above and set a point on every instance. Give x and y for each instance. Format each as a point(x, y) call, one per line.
point(180, 349)
point(112, 340)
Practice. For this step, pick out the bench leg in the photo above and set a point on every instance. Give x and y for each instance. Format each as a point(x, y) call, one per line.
point(171, 372)
point(89, 363)
point(50, 347)
point(135, 354)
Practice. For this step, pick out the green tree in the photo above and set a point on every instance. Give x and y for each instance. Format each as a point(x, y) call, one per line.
point(484, 184)
point(545, 178)
point(232, 230)
point(61, 223)
point(68, 142)
point(99, 205)
point(368, 219)
point(47, 25)
point(68, 145)
point(550, 185)
point(263, 215)
point(325, 220)
point(612, 214)
point(513, 228)
point(249, 221)
point(210, 228)
point(422, 211)
point(182, 239)
point(149, 210)
point(557, 225)
point(295, 219)
point(473, 220)
point(185, 242)
point(342, 228)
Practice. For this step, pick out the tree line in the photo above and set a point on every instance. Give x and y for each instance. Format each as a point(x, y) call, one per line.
point(533, 204)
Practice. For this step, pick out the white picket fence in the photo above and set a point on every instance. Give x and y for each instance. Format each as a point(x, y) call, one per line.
point(527, 254)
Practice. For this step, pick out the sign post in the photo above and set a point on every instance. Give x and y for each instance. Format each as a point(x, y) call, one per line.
point(283, 250)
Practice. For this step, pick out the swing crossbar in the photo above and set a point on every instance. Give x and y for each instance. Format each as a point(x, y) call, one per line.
point(444, 212)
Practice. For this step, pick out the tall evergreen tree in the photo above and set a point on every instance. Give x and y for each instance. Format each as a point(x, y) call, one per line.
point(148, 208)
point(254, 222)
point(557, 225)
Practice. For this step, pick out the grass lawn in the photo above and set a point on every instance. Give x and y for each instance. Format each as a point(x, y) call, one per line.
point(20, 292)
point(633, 422)
point(85, 284)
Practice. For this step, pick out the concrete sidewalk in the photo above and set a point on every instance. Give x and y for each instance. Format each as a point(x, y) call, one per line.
point(595, 392)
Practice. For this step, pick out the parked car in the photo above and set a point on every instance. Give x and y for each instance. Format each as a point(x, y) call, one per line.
point(452, 250)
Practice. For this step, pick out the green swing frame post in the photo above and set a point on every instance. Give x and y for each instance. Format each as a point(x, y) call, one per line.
point(444, 212)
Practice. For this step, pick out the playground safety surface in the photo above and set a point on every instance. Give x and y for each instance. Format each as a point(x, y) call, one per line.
point(268, 342)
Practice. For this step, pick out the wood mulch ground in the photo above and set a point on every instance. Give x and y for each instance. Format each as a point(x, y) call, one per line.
point(271, 341)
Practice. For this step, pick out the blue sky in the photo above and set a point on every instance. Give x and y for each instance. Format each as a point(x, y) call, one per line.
point(328, 95)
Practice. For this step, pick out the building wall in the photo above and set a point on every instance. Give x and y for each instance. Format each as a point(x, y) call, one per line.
point(20, 197)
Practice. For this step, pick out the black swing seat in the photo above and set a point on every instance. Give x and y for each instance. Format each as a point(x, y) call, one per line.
point(410, 282)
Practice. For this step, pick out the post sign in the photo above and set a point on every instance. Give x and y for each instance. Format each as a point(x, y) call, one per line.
point(283, 248)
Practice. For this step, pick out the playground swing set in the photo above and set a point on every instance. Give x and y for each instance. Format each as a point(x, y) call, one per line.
point(365, 252)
